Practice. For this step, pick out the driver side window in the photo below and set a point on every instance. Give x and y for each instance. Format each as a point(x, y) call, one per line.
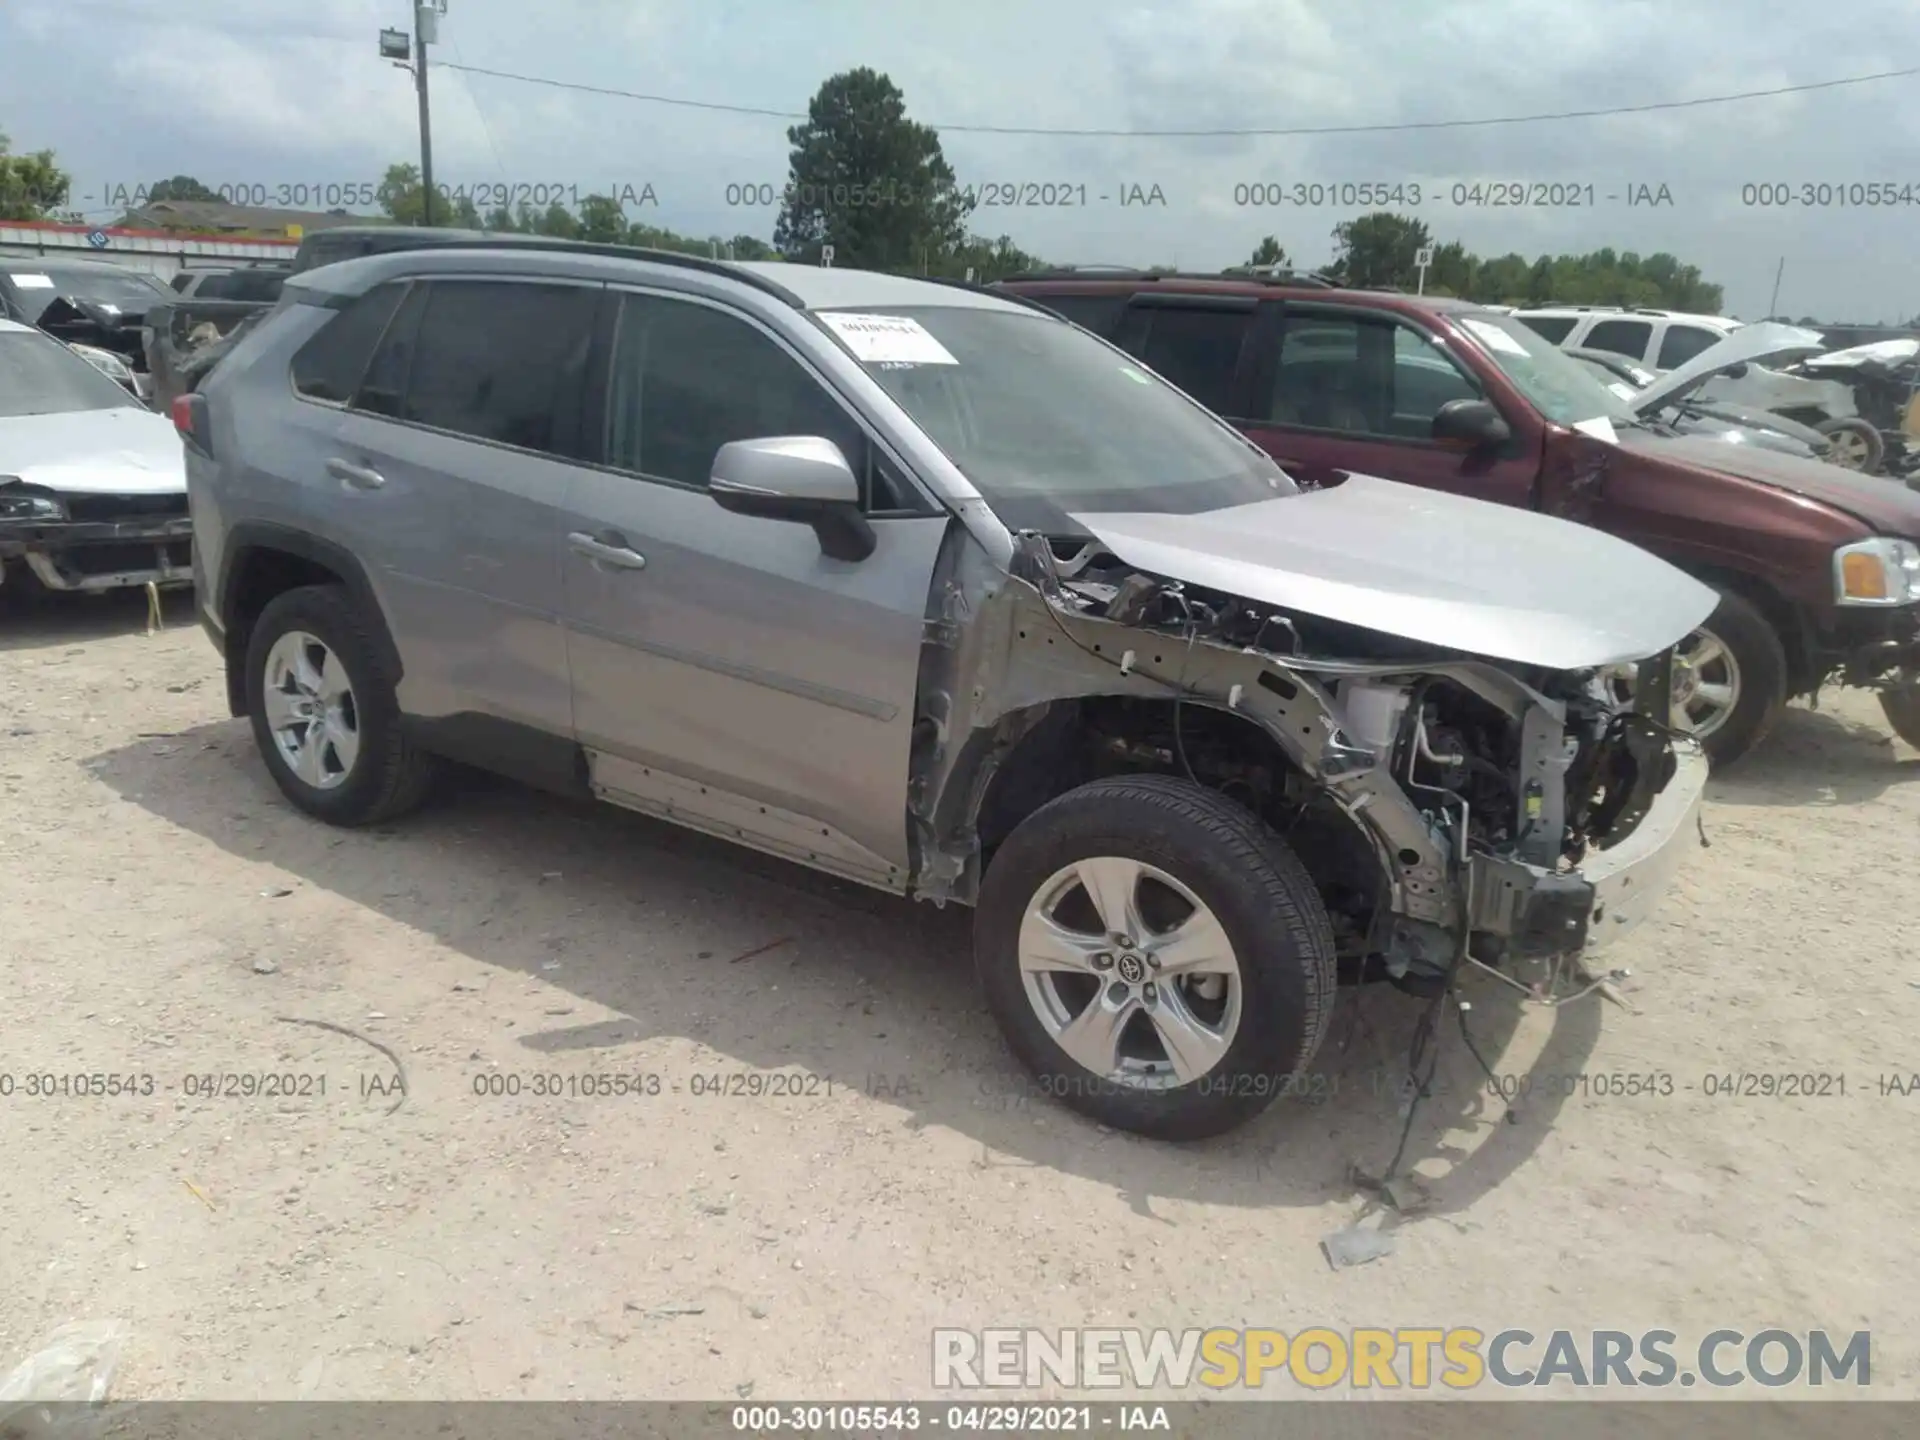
point(1361, 376)
point(689, 378)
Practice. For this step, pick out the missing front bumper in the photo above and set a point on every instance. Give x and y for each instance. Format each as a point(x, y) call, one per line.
point(103, 555)
point(1538, 912)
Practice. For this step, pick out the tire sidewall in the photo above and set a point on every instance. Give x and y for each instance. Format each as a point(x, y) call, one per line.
point(1876, 447)
point(321, 611)
point(1901, 705)
point(1276, 1035)
point(1762, 659)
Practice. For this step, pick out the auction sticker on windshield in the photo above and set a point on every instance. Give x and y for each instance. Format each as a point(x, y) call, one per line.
point(887, 339)
point(1494, 338)
point(34, 282)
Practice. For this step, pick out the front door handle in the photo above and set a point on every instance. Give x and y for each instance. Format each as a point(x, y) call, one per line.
point(611, 551)
point(358, 476)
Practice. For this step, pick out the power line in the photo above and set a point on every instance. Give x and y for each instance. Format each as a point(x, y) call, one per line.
point(1409, 125)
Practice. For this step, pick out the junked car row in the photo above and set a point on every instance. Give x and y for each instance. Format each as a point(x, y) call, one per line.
point(972, 595)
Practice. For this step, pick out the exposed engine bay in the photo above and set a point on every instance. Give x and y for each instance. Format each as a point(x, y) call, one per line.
point(1443, 802)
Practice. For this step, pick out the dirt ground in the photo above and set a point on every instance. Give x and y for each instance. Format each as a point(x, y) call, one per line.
point(164, 914)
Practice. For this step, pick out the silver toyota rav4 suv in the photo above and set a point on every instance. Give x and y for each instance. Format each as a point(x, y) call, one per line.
point(933, 590)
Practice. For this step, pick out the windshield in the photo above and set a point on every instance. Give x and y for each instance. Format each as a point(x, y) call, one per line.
point(37, 286)
point(1607, 376)
point(39, 376)
point(1560, 387)
point(1045, 420)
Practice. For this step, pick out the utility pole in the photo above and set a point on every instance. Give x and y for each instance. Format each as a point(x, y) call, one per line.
point(394, 47)
point(1773, 305)
point(426, 26)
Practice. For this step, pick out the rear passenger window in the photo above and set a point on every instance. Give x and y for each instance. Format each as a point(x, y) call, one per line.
point(1682, 342)
point(1622, 337)
point(495, 359)
point(1551, 328)
point(1098, 313)
point(329, 366)
point(1198, 350)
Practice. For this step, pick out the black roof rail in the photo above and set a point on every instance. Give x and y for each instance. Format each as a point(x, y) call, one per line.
point(1311, 280)
point(1081, 272)
point(558, 244)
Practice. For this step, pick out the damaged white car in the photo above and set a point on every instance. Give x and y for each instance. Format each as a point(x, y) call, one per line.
point(930, 589)
point(93, 490)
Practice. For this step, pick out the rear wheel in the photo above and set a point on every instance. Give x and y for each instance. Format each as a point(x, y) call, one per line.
point(1155, 955)
point(1729, 680)
point(1856, 445)
point(324, 712)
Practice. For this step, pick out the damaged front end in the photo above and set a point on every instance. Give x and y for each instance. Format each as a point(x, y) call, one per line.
point(88, 542)
point(1451, 808)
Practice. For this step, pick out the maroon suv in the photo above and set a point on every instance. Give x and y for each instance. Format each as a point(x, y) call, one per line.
point(1818, 568)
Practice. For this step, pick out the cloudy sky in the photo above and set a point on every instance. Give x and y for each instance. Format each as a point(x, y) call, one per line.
point(276, 94)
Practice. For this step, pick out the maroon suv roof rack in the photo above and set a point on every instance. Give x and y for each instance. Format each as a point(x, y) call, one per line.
point(1304, 279)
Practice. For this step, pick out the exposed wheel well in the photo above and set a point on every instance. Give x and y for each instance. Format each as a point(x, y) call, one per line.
point(259, 574)
point(1078, 741)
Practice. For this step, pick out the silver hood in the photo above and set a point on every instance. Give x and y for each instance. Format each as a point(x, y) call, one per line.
point(1441, 569)
point(126, 450)
point(1749, 342)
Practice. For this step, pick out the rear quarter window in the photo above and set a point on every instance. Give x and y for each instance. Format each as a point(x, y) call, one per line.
point(1553, 328)
point(329, 366)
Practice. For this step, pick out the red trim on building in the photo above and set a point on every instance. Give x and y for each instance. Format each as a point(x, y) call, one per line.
point(216, 236)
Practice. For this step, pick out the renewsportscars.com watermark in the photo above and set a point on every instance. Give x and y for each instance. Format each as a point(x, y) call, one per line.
point(1460, 1358)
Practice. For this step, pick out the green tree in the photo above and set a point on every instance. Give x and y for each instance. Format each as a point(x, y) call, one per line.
point(1377, 250)
point(1269, 252)
point(602, 220)
point(180, 187)
point(751, 247)
point(989, 260)
point(868, 181)
point(32, 187)
point(500, 218)
point(403, 198)
point(559, 221)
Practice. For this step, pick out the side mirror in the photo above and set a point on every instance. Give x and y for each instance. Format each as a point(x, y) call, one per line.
point(801, 478)
point(1474, 424)
point(1735, 372)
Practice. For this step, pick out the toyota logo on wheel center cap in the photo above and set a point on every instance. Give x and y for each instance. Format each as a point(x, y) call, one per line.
point(1132, 969)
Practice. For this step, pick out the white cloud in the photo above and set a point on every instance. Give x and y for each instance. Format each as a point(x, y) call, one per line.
point(265, 90)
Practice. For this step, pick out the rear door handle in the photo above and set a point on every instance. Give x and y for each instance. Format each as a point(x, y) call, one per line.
point(612, 551)
point(358, 476)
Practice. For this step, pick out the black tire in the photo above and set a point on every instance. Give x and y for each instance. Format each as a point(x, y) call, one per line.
point(1254, 885)
point(1875, 446)
point(389, 776)
point(1902, 706)
point(1762, 659)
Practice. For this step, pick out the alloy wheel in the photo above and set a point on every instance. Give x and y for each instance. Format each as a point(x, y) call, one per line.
point(1706, 684)
point(1130, 973)
point(1849, 451)
point(310, 710)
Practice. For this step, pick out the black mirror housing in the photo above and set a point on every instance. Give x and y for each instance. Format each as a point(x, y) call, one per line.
point(1473, 423)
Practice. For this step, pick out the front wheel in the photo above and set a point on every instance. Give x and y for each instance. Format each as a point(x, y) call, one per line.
point(1729, 680)
point(1156, 956)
